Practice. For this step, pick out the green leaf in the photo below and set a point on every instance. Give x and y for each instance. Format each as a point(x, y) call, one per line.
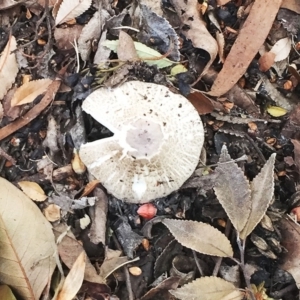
point(143, 52)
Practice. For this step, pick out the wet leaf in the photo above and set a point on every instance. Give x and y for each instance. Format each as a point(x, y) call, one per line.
point(27, 243)
point(74, 279)
point(262, 191)
point(276, 111)
point(208, 288)
point(70, 9)
point(32, 190)
point(233, 190)
point(8, 66)
point(143, 53)
point(200, 237)
point(257, 24)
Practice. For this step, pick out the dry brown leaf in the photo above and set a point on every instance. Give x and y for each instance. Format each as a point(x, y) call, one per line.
point(29, 91)
point(52, 212)
point(69, 249)
point(5, 4)
point(90, 187)
point(222, 2)
point(90, 32)
point(293, 5)
point(203, 104)
point(245, 47)
point(65, 37)
point(70, 9)
point(197, 31)
point(8, 66)
point(56, 8)
point(290, 240)
point(262, 191)
point(200, 237)
point(27, 243)
point(126, 50)
point(32, 190)
point(208, 288)
point(233, 190)
point(74, 279)
point(296, 144)
point(266, 61)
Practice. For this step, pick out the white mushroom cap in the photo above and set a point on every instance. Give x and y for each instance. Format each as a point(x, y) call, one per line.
point(158, 137)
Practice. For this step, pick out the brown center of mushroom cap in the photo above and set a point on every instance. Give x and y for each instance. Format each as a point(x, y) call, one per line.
point(145, 137)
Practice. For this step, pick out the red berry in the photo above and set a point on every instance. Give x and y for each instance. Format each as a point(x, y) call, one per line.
point(147, 211)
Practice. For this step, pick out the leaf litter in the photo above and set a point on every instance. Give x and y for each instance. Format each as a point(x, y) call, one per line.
point(246, 91)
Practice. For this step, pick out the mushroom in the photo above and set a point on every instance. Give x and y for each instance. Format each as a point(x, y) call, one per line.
point(158, 137)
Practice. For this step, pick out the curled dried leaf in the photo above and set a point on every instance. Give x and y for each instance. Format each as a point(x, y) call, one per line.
point(32, 190)
point(200, 237)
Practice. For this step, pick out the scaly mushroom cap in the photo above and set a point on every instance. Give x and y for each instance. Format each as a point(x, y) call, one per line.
point(158, 137)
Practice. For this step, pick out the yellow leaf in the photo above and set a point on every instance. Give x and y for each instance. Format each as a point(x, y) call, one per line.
point(32, 190)
point(29, 91)
point(178, 69)
point(6, 293)
point(74, 279)
point(276, 111)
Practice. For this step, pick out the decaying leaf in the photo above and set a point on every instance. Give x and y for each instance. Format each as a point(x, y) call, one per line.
point(90, 187)
point(290, 240)
point(208, 288)
point(196, 29)
point(70, 9)
point(143, 53)
point(32, 190)
point(233, 190)
point(65, 37)
point(258, 24)
point(74, 279)
point(262, 191)
point(200, 237)
point(8, 66)
point(27, 243)
point(69, 249)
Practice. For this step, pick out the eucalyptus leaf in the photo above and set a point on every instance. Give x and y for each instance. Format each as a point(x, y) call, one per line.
point(144, 53)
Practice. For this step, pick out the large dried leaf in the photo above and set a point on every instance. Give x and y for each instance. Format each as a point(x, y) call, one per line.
point(27, 243)
point(200, 237)
point(290, 240)
point(262, 191)
point(70, 9)
point(8, 66)
point(74, 279)
point(143, 53)
point(233, 190)
point(208, 288)
point(245, 47)
point(29, 91)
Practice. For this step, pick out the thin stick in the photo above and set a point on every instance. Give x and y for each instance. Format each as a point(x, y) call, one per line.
point(197, 263)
